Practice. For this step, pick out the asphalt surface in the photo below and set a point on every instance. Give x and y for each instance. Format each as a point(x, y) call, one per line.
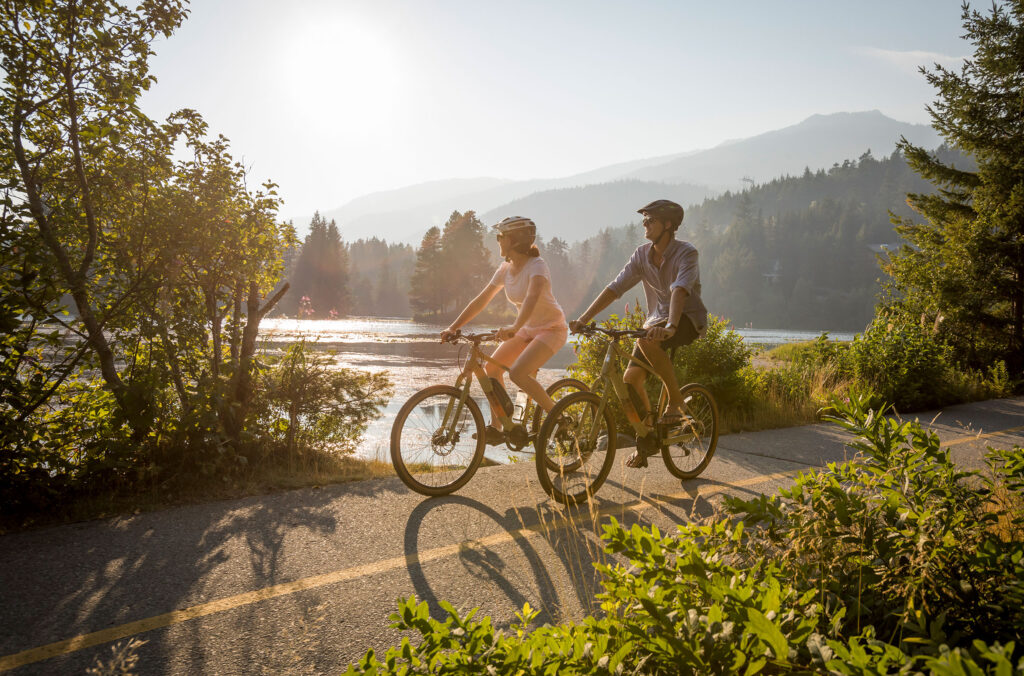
point(303, 581)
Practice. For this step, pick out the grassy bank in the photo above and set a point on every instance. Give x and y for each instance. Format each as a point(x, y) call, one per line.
point(310, 470)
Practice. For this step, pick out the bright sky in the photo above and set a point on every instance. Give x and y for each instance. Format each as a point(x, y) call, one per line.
point(333, 99)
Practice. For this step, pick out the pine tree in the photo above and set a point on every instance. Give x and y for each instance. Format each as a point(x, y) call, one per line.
point(964, 272)
point(465, 261)
point(321, 270)
point(426, 291)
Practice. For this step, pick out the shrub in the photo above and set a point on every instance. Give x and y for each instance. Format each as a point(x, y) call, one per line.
point(902, 363)
point(900, 537)
point(309, 406)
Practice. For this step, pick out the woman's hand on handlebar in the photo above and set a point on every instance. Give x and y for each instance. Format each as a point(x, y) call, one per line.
point(505, 333)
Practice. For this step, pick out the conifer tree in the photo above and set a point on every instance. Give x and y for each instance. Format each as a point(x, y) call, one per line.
point(465, 261)
point(321, 270)
point(426, 293)
point(964, 273)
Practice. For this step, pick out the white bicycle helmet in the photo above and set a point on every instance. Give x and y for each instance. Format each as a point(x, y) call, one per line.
point(516, 225)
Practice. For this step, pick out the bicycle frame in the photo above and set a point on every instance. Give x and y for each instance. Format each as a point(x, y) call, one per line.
point(611, 383)
point(464, 383)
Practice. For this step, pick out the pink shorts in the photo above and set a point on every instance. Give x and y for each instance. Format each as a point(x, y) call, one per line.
point(553, 335)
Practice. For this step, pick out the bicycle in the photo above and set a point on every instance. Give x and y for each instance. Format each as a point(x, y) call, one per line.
point(438, 437)
point(578, 437)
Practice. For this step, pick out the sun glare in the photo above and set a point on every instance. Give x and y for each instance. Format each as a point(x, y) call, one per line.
point(341, 76)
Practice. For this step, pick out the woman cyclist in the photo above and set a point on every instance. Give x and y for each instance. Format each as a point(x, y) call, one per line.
point(539, 330)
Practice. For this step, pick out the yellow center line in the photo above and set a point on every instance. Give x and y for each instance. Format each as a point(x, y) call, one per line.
point(84, 641)
point(976, 437)
point(231, 602)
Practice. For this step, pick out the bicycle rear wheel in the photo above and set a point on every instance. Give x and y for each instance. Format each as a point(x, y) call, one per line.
point(690, 455)
point(430, 457)
point(575, 448)
point(556, 391)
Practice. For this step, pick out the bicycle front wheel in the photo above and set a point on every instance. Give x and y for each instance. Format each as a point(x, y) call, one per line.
point(435, 446)
point(693, 443)
point(575, 448)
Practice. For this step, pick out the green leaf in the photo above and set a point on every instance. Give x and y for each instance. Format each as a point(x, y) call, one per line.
point(764, 629)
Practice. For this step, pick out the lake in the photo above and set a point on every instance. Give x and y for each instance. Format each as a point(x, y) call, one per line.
point(412, 354)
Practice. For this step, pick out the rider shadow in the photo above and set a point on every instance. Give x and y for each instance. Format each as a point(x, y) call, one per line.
point(480, 561)
point(694, 506)
point(573, 535)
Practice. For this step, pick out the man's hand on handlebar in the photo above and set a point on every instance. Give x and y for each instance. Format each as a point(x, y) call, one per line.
point(577, 325)
point(449, 334)
point(660, 333)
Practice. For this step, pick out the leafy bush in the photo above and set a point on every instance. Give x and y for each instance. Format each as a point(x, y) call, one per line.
point(310, 406)
point(888, 563)
point(902, 363)
point(900, 535)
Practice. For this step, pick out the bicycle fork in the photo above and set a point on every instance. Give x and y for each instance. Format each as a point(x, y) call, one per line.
point(452, 414)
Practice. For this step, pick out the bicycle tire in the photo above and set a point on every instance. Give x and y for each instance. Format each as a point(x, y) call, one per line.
point(556, 391)
point(421, 461)
point(688, 460)
point(588, 462)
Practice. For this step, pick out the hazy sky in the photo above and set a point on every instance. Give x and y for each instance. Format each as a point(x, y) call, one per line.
point(333, 99)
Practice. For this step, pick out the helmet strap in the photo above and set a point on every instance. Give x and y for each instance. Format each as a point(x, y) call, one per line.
point(665, 230)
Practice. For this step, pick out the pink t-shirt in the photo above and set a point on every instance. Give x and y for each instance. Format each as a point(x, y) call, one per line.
point(547, 311)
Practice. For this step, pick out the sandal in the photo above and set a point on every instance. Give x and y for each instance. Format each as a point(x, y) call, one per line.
point(639, 458)
point(645, 447)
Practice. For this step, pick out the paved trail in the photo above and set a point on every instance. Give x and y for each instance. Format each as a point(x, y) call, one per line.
point(304, 581)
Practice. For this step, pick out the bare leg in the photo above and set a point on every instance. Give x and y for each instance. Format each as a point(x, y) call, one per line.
point(524, 372)
point(505, 354)
point(635, 377)
point(662, 365)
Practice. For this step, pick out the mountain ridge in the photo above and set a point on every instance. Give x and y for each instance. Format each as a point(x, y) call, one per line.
point(818, 141)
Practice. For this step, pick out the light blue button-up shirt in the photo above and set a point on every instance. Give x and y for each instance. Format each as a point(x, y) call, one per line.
point(678, 269)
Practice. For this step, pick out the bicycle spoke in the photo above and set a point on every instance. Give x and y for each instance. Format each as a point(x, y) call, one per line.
point(692, 444)
point(578, 448)
point(433, 457)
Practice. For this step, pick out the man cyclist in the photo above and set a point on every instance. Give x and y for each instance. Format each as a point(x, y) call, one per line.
point(675, 312)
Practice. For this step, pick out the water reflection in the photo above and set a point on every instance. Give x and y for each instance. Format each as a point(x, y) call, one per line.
point(414, 358)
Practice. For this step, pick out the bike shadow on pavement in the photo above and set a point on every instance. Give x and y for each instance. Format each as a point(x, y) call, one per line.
point(542, 554)
point(484, 564)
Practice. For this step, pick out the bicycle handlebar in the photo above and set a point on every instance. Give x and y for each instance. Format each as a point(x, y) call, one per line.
point(475, 338)
point(591, 329)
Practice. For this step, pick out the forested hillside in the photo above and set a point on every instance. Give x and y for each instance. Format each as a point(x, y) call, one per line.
point(799, 252)
point(802, 252)
point(573, 207)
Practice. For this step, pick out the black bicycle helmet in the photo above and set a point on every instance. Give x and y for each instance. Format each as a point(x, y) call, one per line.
point(664, 210)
